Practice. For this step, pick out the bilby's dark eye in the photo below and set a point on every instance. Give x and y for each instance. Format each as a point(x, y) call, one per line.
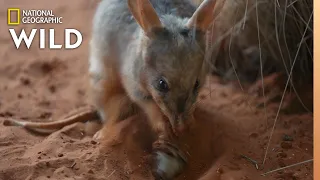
point(184, 32)
point(163, 86)
point(196, 86)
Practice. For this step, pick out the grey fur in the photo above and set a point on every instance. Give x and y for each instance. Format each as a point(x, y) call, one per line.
point(173, 52)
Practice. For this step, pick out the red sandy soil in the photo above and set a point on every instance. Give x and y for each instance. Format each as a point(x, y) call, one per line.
point(44, 85)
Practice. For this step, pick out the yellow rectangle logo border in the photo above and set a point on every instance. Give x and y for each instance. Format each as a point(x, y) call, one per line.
point(9, 16)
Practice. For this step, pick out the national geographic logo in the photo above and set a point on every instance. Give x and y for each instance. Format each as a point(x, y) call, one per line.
point(12, 11)
point(17, 16)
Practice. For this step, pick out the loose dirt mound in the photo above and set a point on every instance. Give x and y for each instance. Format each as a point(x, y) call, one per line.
point(42, 85)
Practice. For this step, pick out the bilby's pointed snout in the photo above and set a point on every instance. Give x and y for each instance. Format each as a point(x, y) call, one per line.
point(181, 105)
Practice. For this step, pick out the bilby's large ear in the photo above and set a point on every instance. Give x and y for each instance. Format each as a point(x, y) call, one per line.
point(205, 14)
point(144, 14)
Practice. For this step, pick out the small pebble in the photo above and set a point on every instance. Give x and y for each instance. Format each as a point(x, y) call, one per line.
point(60, 155)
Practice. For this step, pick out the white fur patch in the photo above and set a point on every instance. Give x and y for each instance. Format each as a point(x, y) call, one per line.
point(102, 115)
point(96, 66)
point(167, 164)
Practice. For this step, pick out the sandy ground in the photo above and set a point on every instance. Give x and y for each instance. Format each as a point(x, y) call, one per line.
point(44, 85)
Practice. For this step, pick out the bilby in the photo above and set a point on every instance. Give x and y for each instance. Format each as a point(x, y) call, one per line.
point(150, 54)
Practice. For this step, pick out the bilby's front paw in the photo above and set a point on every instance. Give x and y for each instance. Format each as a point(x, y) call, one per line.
point(168, 160)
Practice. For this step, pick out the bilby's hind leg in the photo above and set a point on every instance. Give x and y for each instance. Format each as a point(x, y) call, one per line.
point(117, 107)
point(107, 93)
point(98, 79)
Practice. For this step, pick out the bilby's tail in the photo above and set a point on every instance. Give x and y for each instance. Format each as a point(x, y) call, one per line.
point(49, 127)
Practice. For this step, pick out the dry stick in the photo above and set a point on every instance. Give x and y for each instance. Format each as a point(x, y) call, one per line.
point(233, 66)
point(74, 164)
point(234, 69)
point(284, 92)
point(281, 53)
point(285, 36)
point(254, 162)
point(307, 25)
point(278, 3)
point(245, 15)
point(282, 57)
point(293, 87)
point(261, 69)
point(207, 57)
point(210, 47)
point(292, 3)
point(237, 25)
point(277, 37)
point(286, 167)
point(111, 173)
point(310, 29)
